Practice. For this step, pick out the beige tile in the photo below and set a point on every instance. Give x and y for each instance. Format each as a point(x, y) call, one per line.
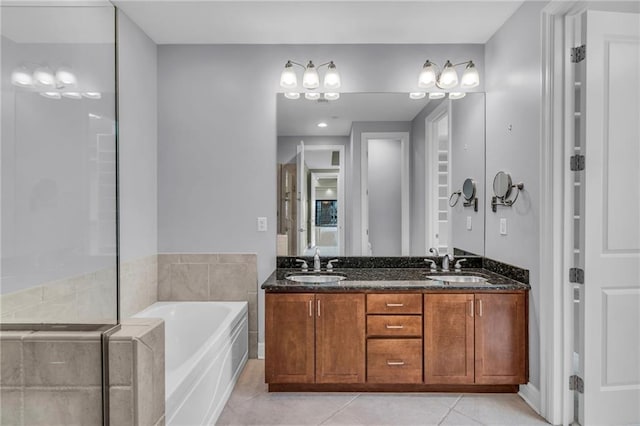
point(154, 340)
point(12, 302)
point(456, 419)
point(121, 404)
point(164, 281)
point(62, 363)
point(198, 258)
point(58, 289)
point(392, 409)
point(138, 288)
point(75, 406)
point(160, 422)
point(238, 258)
point(189, 282)
point(97, 305)
point(11, 363)
point(252, 298)
point(11, 407)
point(498, 409)
point(60, 310)
point(144, 384)
point(120, 363)
point(230, 281)
point(250, 383)
point(168, 258)
point(253, 344)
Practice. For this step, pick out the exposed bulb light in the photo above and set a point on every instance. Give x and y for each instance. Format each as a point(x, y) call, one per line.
point(437, 95)
point(457, 95)
point(310, 78)
point(332, 96)
point(72, 95)
point(427, 77)
point(288, 78)
point(21, 77)
point(65, 78)
point(470, 77)
point(322, 124)
point(332, 78)
point(44, 77)
point(417, 95)
point(292, 95)
point(92, 95)
point(50, 95)
point(312, 96)
point(448, 77)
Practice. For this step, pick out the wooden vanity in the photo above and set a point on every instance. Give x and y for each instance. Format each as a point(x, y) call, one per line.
point(418, 340)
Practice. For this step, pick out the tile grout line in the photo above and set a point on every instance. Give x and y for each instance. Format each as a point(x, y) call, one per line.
point(340, 409)
point(449, 410)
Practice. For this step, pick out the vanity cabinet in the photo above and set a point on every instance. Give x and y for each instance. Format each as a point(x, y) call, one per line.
point(476, 338)
point(314, 338)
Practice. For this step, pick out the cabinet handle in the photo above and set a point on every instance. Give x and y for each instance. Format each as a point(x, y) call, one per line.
point(394, 326)
point(471, 308)
point(318, 308)
point(310, 308)
point(391, 363)
point(480, 305)
point(395, 305)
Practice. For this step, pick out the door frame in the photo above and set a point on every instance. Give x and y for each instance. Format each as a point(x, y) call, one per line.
point(403, 137)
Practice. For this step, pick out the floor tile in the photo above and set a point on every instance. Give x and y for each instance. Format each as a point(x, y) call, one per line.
point(250, 383)
point(457, 419)
point(498, 409)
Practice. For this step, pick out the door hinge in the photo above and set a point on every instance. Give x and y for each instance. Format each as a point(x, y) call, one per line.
point(576, 162)
point(576, 383)
point(578, 54)
point(576, 275)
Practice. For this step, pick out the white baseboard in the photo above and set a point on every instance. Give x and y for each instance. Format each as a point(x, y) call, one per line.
point(261, 352)
point(531, 396)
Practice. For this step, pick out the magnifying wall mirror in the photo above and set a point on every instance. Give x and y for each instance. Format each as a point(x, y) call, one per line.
point(502, 188)
point(468, 192)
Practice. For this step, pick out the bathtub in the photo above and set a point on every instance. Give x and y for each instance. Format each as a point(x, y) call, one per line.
point(206, 348)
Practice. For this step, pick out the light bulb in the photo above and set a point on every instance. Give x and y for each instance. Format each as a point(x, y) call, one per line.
point(322, 124)
point(292, 95)
point(417, 95)
point(92, 95)
point(21, 77)
point(72, 95)
point(332, 96)
point(312, 96)
point(332, 78)
point(470, 77)
point(50, 95)
point(65, 78)
point(44, 77)
point(288, 78)
point(310, 78)
point(457, 95)
point(449, 77)
point(427, 77)
point(436, 95)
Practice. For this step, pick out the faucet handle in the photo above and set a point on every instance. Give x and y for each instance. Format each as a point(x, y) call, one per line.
point(458, 266)
point(330, 264)
point(305, 266)
point(432, 264)
point(435, 252)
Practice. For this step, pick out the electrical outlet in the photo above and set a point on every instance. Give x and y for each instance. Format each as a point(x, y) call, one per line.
point(468, 223)
point(503, 226)
point(262, 224)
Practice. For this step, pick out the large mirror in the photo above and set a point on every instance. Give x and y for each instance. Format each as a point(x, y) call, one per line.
point(371, 174)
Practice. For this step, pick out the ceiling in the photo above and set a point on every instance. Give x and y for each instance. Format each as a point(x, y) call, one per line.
point(301, 117)
point(318, 22)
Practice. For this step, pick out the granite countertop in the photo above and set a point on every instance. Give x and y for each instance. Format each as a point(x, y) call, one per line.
point(376, 279)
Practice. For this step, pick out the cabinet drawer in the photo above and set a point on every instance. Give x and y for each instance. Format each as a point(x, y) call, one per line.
point(394, 360)
point(394, 303)
point(394, 325)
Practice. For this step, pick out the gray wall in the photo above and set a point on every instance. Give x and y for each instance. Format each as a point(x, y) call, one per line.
point(514, 88)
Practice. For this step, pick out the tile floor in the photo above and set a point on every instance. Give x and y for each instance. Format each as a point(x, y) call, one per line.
point(251, 404)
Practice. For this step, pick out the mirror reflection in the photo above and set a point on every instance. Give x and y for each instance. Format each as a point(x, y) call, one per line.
point(370, 174)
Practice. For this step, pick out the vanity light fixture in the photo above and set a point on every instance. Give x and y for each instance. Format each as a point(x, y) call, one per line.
point(446, 77)
point(292, 95)
point(437, 95)
point(51, 95)
point(72, 95)
point(457, 95)
point(92, 95)
point(312, 96)
point(311, 80)
point(21, 77)
point(417, 95)
point(322, 124)
point(65, 78)
point(44, 77)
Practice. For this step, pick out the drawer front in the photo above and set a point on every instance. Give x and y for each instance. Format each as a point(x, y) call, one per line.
point(394, 325)
point(394, 361)
point(394, 303)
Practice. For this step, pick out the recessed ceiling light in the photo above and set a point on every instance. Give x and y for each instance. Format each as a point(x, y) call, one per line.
point(322, 124)
point(417, 95)
point(457, 95)
point(436, 95)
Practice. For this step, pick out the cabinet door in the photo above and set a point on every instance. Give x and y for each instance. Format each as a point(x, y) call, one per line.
point(448, 338)
point(501, 339)
point(340, 338)
point(289, 338)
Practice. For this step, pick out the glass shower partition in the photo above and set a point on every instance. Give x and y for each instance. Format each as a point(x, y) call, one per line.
point(58, 205)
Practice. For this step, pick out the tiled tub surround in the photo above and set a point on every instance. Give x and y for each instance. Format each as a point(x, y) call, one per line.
point(138, 284)
point(212, 277)
point(88, 298)
point(136, 373)
point(50, 378)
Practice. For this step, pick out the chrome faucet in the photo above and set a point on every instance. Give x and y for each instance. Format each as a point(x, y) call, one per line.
point(432, 264)
point(305, 267)
point(330, 264)
point(458, 266)
point(446, 259)
point(316, 261)
point(434, 251)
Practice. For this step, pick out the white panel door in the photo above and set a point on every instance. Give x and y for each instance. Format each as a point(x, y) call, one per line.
point(303, 205)
point(611, 352)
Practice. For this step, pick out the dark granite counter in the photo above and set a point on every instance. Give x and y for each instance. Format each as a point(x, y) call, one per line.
point(390, 279)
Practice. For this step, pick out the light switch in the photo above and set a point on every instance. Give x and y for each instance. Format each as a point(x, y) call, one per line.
point(262, 224)
point(503, 226)
point(468, 223)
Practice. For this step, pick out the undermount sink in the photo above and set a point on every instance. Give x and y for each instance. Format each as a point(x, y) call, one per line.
point(464, 279)
point(316, 279)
